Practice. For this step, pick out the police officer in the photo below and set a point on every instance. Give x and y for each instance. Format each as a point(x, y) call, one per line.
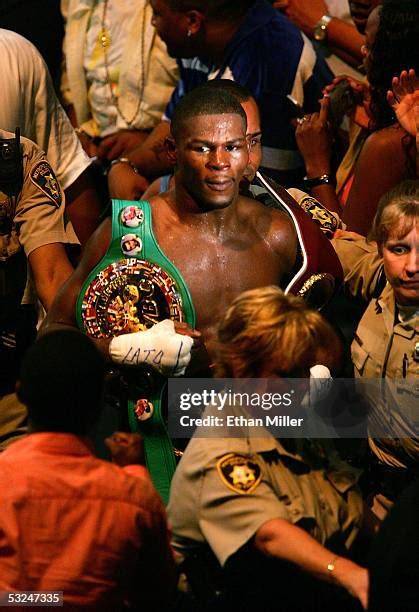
point(276, 514)
point(385, 350)
point(33, 233)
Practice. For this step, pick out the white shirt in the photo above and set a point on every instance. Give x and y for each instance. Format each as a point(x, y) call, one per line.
point(28, 100)
point(339, 9)
point(143, 76)
point(102, 81)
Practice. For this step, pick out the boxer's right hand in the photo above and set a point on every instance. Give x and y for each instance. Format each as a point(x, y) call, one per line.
point(160, 347)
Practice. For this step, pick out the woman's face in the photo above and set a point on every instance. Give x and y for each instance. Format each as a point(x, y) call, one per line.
point(401, 265)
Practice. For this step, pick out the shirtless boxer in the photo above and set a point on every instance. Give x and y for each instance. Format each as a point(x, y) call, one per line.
point(221, 242)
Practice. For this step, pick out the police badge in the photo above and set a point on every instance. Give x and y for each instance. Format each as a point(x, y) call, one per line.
point(239, 473)
point(42, 175)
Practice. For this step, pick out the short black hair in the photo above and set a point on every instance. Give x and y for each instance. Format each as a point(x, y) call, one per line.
point(234, 89)
point(204, 100)
point(215, 10)
point(61, 382)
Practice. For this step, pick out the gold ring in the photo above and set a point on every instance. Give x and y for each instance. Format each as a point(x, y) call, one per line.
point(301, 120)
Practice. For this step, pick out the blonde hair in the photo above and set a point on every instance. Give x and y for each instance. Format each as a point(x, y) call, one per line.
point(397, 213)
point(264, 329)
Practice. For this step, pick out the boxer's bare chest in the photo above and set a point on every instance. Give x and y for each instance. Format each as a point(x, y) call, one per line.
point(217, 266)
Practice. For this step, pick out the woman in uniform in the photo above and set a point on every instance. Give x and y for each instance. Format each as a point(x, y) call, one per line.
point(277, 515)
point(385, 350)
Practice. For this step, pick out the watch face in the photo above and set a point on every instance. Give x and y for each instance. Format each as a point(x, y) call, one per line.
point(320, 32)
point(127, 296)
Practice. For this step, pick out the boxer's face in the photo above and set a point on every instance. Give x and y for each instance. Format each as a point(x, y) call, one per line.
point(212, 155)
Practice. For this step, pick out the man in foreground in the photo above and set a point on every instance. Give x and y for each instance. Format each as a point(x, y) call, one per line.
point(72, 522)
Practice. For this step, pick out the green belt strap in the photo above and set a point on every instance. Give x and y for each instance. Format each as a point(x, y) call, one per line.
point(159, 452)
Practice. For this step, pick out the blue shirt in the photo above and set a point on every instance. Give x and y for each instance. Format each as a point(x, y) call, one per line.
point(271, 58)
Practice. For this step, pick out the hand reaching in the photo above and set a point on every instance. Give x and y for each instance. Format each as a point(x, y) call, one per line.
point(404, 100)
point(361, 112)
point(314, 139)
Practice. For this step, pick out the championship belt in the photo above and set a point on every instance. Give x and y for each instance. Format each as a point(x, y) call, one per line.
point(133, 287)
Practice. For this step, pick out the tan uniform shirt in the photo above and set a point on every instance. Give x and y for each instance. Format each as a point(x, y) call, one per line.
point(383, 348)
point(225, 489)
point(37, 212)
point(35, 217)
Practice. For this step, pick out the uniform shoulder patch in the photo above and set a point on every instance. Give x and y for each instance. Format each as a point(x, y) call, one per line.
point(241, 474)
point(42, 175)
point(319, 214)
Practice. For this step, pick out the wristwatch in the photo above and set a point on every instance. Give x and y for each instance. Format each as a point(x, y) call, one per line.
point(320, 30)
point(324, 179)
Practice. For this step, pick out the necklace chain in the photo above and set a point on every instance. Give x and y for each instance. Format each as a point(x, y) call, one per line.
point(105, 43)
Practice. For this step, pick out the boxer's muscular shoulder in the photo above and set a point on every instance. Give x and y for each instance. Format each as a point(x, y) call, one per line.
point(273, 225)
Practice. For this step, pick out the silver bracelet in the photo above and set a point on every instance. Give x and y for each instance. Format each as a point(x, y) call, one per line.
point(124, 160)
point(331, 565)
